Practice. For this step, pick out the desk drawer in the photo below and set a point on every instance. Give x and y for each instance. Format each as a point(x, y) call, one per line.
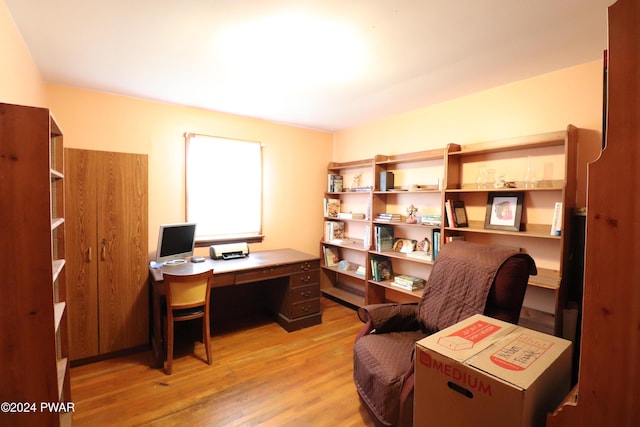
point(305, 308)
point(223, 279)
point(263, 274)
point(305, 293)
point(306, 266)
point(304, 279)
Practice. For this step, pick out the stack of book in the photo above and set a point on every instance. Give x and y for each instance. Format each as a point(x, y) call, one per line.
point(365, 188)
point(432, 219)
point(409, 283)
point(389, 217)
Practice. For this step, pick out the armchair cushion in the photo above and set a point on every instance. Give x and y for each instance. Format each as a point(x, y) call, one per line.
point(382, 366)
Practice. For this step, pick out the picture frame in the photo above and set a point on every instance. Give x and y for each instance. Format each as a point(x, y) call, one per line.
point(504, 211)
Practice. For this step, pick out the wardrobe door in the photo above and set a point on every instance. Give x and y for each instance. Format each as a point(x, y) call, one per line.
point(122, 231)
point(81, 263)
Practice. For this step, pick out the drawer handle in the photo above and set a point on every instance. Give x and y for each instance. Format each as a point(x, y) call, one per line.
point(305, 266)
point(306, 308)
point(306, 294)
point(306, 279)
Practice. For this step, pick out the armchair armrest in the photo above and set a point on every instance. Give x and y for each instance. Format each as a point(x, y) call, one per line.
point(389, 317)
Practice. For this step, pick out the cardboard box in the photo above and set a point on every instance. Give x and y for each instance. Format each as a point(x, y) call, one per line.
point(485, 372)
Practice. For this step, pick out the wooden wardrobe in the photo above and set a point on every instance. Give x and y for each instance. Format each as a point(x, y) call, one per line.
point(607, 391)
point(107, 256)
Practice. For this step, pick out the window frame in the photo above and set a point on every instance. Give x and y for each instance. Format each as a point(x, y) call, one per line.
point(249, 237)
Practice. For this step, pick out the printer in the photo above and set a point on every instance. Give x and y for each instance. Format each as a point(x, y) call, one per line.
point(229, 250)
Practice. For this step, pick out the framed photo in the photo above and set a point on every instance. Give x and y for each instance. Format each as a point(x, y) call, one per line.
point(504, 211)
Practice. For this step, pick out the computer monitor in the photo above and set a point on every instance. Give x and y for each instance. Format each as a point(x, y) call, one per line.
point(175, 243)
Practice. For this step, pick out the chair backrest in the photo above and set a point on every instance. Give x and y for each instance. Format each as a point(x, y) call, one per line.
point(469, 278)
point(187, 290)
point(506, 295)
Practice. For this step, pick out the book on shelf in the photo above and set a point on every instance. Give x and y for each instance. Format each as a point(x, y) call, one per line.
point(383, 238)
point(381, 268)
point(436, 243)
point(361, 271)
point(335, 183)
point(432, 219)
point(331, 256)
point(410, 283)
point(404, 246)
point(331, 207)
point(556, 222)
point(350, 215)
point(389, 217)
point(456, 213)
point(333, 230)
point(448, 207)
point(459, 214)
point(366, 238)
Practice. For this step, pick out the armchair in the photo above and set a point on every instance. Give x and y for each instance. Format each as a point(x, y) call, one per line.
point(466, 279)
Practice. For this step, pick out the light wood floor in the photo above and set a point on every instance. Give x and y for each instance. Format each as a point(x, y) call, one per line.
point(261, 376)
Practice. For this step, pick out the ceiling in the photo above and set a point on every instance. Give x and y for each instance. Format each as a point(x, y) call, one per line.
point(320, 64)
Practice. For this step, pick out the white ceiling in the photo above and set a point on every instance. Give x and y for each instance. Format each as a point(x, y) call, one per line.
point(321, 64)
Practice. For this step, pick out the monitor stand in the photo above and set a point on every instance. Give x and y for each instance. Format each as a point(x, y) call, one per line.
point(175, 262)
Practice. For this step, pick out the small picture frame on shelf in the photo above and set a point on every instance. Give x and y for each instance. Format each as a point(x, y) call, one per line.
point(504, 211)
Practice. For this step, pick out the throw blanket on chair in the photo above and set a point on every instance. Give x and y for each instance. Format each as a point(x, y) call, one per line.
point(459, 283)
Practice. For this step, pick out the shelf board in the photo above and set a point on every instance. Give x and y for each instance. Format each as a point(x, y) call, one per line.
point(56, 175)
point(549, 139)
point(57, 266)
point(537, 320)
point(58, 312)
point(351, 272)
point(548, 279)
point(348, 243)
point(56, 222)
point(538, 231)
point(418, 156)
point(61, 366)
point(338, 193)
point(341, 294)
point(400, 255)
point(553, 185)
point(390, 192)
point(356, 164)
point(404, 224)
point(388, 284)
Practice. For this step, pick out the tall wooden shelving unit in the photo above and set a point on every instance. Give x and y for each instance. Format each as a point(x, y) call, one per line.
point(346, 285)
point(607, 390)
point(450, 173)
point(554, 155)
point(33, 342)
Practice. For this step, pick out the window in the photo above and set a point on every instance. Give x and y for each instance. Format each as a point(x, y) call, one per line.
point(224, 188)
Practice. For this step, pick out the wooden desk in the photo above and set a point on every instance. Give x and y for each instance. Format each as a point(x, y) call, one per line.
point(295, 305)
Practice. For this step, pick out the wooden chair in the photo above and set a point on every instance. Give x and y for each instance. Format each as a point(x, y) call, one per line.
point(187, 297)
